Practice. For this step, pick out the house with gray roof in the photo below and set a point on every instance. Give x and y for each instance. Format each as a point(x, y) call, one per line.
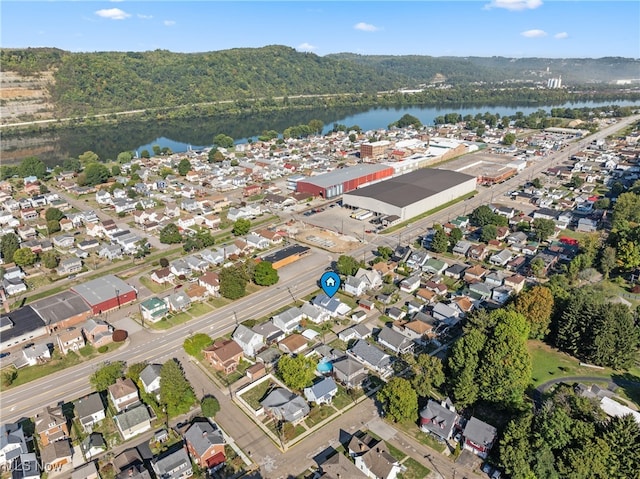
point(269, 331)
point(396, 342)
point(178, 301)
point(284, 405)
point(372, 357)
point(321, 392)
point(90, 411)
point(314, 314)
point(205, 444)
point(438, 420)
point(249, 340)
point(93, 445)
point(333, 306)
point(174, 464)
point(12, 443)
point(150, 378)
point(349, 372)
point(479, 437)
point(180, 267)
point(288, 320)
point(133, 421)
point(501, 258)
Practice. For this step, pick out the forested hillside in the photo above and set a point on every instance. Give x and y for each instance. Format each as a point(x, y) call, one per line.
point(103, 82)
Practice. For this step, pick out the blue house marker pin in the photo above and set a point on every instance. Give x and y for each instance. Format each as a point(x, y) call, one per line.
point(330, 283)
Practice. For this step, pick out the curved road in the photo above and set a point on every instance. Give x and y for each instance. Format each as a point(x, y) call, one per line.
point(26, 400)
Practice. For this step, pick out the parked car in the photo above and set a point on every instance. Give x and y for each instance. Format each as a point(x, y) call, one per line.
point(4, 355)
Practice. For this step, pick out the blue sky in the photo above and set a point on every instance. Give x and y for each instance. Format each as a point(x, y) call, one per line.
point(511, 28)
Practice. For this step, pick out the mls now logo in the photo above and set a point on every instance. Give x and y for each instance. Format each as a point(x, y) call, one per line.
point(30, 466)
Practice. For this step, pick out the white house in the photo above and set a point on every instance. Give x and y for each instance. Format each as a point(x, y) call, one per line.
point(250, 341)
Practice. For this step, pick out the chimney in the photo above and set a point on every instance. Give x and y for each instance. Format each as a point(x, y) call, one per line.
point(131, 472)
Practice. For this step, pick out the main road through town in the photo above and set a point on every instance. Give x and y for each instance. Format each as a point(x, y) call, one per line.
point(300, 280)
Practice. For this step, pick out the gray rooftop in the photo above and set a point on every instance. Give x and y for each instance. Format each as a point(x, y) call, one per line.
point(149, 374)
point(172, 465)
point(132, 417)
point(59, 307)
point(285, 404)
point(202, 435)
point(479, 432)
point(102, 289)
point(88, 405)
point(343, 175)
point(371, 354)
point(409, 188)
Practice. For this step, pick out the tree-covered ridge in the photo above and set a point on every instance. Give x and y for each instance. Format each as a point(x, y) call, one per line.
point(29, 61)
point(460, 70)
point(90, 82)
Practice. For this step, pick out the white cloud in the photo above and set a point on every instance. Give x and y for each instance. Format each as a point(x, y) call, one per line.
point(113, 13)
point(169, 23)
point(561, 35)
point(514, 5)
point(365, 27)
point(145, 17)
point(534, 33)
point(306, 47)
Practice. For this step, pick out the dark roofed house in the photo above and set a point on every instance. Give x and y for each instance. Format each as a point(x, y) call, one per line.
point(285, 405)
point(349, 372)
point(123, 394)
point(205, 444)
point(321, 392)
point(150, 378)
point(51, 425)
point(372, 457)
point(133, 421)
point(174, 464)
point(438, 420)
point(395, 341)
point(479, 437)
point(372, 357)
point(20, 325)
point(339, 466)
point(89, 410)
point(62, 310)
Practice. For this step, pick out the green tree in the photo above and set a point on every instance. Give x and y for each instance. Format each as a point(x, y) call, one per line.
point(32, 166)
point(134, 370)
point(543, 228)
point(536, 305)
point(53, 226)
point(145, 154)
point(95, 174)
point(347, 265)
point(124, 157)
point(24, 257)
point(115, 170)
point(9, 244)
point(628, 254)
point(233, 282)
point(107, 375)
point(49, 259)
point(515, 447)
point(176, 394)
point(405, 121)
point(428, 374)
point(489, 232)
point(241, 227)
point(88, 157)
point(296, 372)
point(223, 141)
point(385, 252)
point(316, 126)
point(265, 274)
point(505, 369)
point(626, 210)
point(576, 182)
point(399, 400)
point(482, 215)
point(537, 267)
point(463, 364)
point(454, 237)
point(509, 139)
point(184, 167)
point(72, 164)
point(170, 234)
point(53, 214)
point(156, 150)
point(623, 435)
point(440, 241)
point(536, 183)
point(607, 261)
point(209, 406)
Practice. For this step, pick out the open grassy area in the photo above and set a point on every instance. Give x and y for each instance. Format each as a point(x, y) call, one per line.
point(199, 309)
point(255, 395)
point(342, 399)
point(154, 287)
point(414, 431)
point(318, 414)
point(548, 363)
point(171, 321)
point(415, 470)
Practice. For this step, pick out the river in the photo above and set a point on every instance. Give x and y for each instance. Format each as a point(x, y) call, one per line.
point(180, 135)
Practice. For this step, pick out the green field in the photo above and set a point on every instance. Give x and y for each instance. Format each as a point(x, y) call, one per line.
point(415, 470)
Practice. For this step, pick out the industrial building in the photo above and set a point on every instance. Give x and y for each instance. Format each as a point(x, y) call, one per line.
point(343, 180)
point(286, 255)
point(411, 194)
point(106, 293)
point(375, 149)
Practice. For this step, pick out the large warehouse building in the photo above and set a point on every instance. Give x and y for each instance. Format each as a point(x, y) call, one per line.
point(343, 180)
point(409, 195)
point(106, 293)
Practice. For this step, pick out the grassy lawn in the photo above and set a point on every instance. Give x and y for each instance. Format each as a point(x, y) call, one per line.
point(346, 299)
point(255, 395)
point(394, 451)
point(412, 430)
point(415, 470)
point(319, 414)
point(200, 309)
point(342, 399)
point(338, 344)
point(57, 363)
point(219, 302)
point(548, 363)
point(171, 321)
point(154, 287)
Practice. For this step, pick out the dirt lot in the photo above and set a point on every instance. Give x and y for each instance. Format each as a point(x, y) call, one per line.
point(323, 238)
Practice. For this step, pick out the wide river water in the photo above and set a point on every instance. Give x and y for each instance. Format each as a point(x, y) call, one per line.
point(180, 135)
